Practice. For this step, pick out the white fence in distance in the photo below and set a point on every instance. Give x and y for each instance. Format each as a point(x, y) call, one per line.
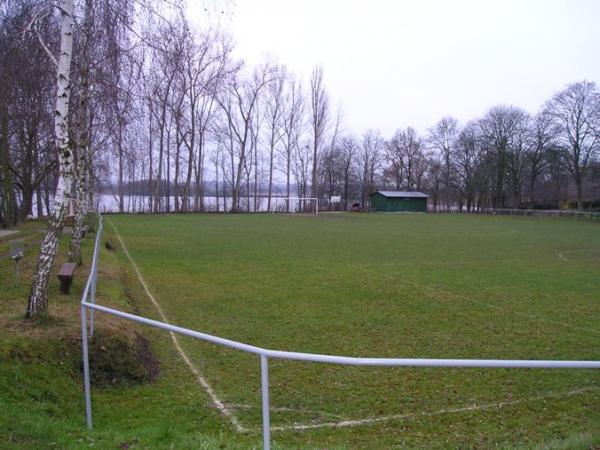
point(524, 212)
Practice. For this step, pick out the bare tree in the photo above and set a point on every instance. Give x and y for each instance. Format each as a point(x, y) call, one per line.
point(442, 137)
point(331, 165)
point(274, 112)
point(292, 127)
point(518, 150)
point(203, 62)
point(543, 134)
point(27, 152)
point(252, 167)
point(368, 161)
point(238, 106)
point(435, 180)
point(407, 161)
point(319, 109)
point(576, 110)
point(349, 151)
point(301, 167)
point(498, 128)
point(467, 155)
point(166, 58)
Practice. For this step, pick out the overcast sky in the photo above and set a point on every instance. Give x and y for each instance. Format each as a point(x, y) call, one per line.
point(398, 63)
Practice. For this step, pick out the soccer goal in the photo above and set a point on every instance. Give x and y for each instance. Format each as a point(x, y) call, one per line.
point(292, 205)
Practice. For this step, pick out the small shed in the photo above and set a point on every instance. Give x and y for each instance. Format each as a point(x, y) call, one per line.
point(399, 201)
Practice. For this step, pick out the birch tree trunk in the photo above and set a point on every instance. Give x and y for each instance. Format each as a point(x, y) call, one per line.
point(80, 197)
point(89, 179)
point(38, 297)
point(82, 141)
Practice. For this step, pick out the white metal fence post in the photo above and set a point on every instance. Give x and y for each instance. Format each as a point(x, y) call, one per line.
point(86, 368)
point(264, 381)
point(94, 272)
point(93, 293)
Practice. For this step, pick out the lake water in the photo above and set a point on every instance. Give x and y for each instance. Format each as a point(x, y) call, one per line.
point(135, 204)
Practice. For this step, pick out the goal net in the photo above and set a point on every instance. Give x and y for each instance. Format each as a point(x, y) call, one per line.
point(292, 205)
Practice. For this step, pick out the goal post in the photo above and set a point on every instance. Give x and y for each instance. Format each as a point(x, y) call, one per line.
point(294, 205)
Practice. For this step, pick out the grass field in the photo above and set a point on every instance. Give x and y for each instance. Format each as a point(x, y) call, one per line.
point(451, 286)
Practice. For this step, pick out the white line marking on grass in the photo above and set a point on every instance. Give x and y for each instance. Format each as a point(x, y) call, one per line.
point(564, 258)
point(222, 407)
point(457, 410)
point(284, 409)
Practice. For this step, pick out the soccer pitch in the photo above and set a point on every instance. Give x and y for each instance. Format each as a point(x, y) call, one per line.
point(377, 285)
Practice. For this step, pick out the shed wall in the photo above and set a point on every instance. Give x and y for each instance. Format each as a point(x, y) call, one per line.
point(395, 204)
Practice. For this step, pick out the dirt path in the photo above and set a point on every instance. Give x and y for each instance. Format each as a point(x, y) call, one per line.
point(4, 233)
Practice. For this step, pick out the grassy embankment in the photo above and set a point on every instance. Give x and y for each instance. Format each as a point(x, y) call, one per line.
point(143, 395)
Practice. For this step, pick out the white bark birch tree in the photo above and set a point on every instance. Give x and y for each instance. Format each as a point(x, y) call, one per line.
point(82, 139)
point(38, 297)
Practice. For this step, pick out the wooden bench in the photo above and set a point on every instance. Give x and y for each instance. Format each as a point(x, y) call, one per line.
point(66, 276)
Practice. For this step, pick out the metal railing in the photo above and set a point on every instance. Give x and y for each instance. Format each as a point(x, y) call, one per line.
point(266, 354)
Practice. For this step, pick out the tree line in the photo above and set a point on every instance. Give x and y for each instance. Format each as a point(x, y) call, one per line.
point(129, 96)
point(173, 112)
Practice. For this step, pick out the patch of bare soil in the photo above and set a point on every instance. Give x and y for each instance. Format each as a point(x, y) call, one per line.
point(117, 359)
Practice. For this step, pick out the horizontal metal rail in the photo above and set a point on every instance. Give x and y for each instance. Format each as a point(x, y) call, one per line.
point(265, 354)
point(350, 360)
point(176, 329)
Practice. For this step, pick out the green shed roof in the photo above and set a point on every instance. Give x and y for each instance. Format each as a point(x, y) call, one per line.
point(401, 194)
